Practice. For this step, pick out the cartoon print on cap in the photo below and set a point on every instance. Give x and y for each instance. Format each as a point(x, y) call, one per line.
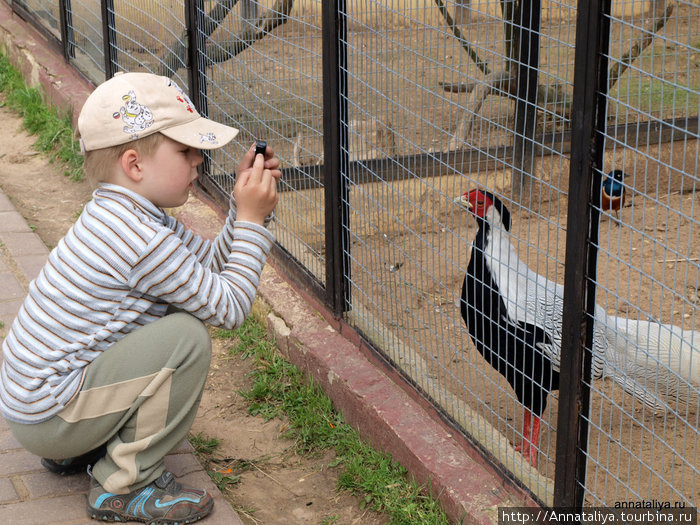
point(208, 137)
point(136, 116)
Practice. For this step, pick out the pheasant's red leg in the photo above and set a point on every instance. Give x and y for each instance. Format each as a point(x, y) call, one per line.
point(535, 444)
point(531, 438)
point(526, 432)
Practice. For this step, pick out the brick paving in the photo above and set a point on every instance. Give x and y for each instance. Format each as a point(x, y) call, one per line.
point(29, 494)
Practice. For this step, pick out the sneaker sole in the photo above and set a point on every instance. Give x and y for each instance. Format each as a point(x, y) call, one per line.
point(109, 515)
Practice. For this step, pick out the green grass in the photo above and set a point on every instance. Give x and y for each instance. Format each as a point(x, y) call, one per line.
point(663, 96)
point(204, 445)
point(280, 389)
point(54, 132)
point(653, 98)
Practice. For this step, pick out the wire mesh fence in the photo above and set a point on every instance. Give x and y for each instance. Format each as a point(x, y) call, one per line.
point(446, 105)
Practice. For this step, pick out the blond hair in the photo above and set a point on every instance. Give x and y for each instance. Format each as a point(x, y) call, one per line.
point(99, 164)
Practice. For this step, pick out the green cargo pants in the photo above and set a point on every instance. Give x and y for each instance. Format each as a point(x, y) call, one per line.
point(140, 397)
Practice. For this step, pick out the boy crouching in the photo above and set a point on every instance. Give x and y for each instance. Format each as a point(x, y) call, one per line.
point(106, 361)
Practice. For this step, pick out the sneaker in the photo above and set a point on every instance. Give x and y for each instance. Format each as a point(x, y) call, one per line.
point(76, 465)
point(162, 501)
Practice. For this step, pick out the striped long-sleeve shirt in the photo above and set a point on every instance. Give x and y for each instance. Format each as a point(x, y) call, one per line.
point(117, 269)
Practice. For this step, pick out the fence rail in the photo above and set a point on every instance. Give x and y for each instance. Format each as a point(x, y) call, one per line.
point(383, 114)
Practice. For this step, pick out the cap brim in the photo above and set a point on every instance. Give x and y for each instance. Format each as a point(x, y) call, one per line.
point(201, 133)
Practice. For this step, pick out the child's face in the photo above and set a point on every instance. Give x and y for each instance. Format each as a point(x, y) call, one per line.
point(169, 173)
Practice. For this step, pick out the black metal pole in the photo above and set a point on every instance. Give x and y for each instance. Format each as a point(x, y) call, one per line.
point(588, 123)
point(67, 33)
point(196, 68)
point(109, 37)
point(335, 139)
point(527, 41)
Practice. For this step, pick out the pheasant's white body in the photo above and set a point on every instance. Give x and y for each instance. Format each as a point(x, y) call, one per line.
point(655, 362)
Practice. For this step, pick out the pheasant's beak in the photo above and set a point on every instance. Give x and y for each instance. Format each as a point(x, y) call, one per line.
point(463, 202)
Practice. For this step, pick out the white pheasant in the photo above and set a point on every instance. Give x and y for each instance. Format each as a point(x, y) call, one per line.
point(514, 317)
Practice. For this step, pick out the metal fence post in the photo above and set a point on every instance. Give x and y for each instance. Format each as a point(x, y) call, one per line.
point(335, 148)
point(109, 37)
point(67, 33)
point(196, 72)
point(527, 40)
point(588, 117)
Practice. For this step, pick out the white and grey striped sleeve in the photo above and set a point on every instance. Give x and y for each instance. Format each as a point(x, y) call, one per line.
point(169, 270)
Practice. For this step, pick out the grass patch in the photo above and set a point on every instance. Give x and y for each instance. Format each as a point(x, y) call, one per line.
point(654, 95)
point(203, 445)
point(280, 390)
point(54, 132)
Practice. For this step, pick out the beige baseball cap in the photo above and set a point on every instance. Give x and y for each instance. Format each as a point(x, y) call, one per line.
point(130, 106)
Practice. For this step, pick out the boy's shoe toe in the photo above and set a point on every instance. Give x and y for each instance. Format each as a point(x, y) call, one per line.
point(163, 501)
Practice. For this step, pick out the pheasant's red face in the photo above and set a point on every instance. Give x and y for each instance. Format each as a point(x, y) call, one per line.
point(478, 202)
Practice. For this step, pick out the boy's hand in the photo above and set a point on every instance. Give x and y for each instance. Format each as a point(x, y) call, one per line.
point(255, 190)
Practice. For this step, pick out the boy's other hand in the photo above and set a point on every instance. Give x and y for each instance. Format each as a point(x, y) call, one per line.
point(255, 190)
